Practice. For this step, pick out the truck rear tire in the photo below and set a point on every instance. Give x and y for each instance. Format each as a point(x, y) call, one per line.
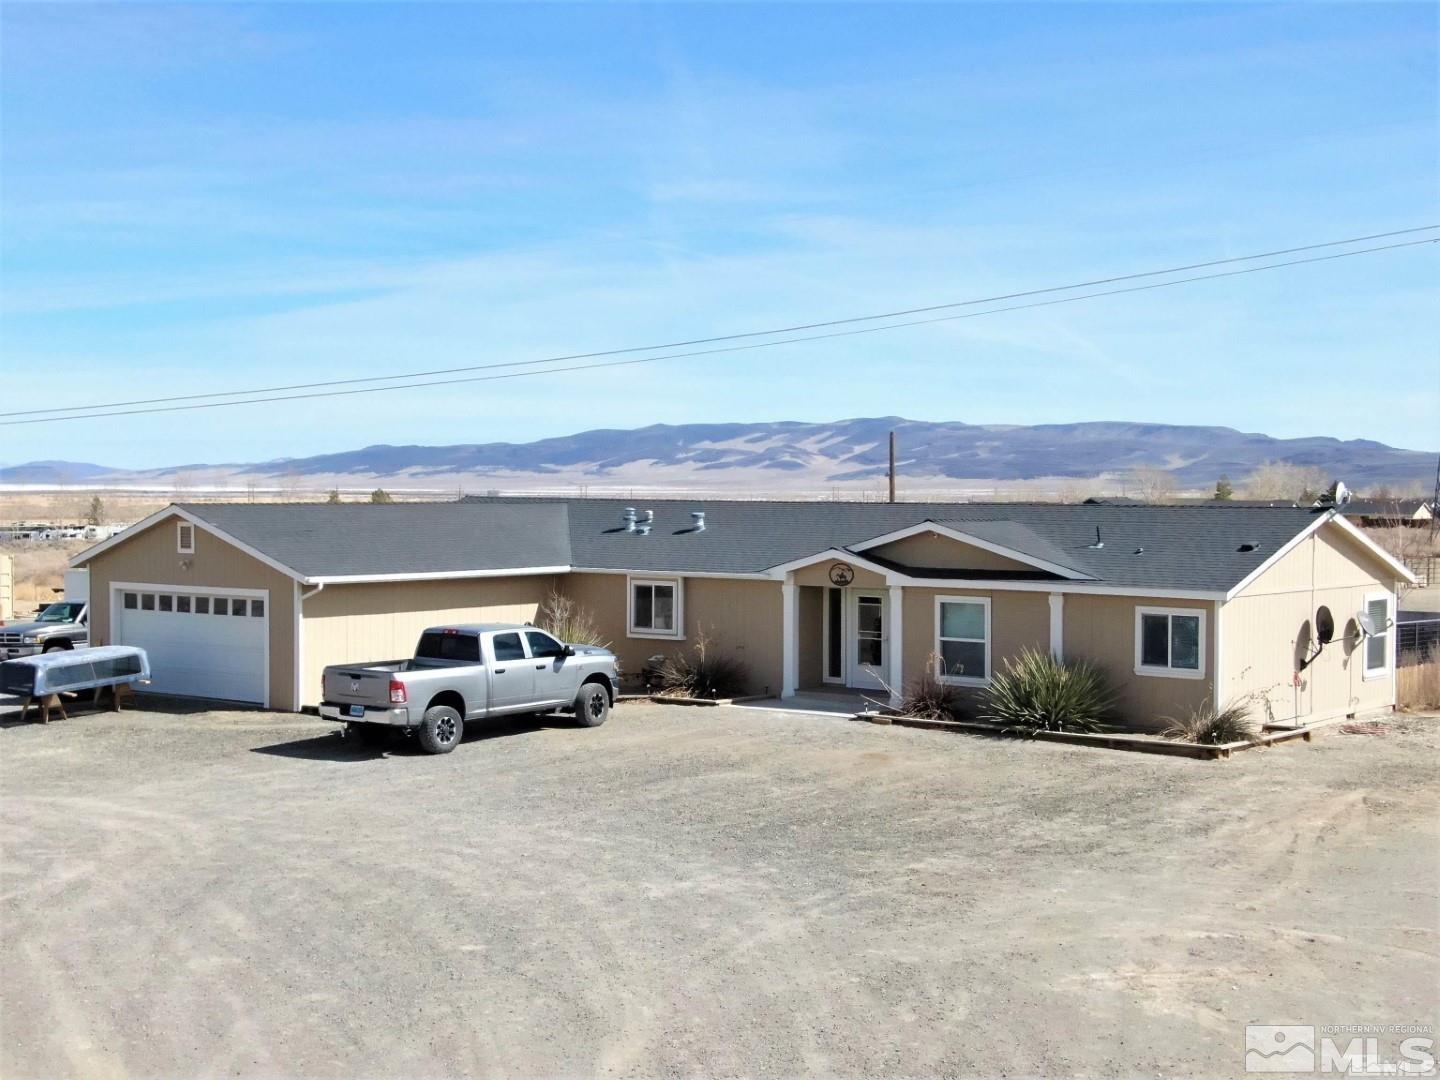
point(592, 705)
point(441, 730)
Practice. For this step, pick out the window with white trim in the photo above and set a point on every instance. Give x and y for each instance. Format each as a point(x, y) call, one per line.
point(1170, 642)
point(962, 640)
point(655, 607)
point(184, 538)
point(1377, 645)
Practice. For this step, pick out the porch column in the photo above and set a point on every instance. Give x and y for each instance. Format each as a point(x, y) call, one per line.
point(896, 622)
point(1057, 625)
point(789, 639)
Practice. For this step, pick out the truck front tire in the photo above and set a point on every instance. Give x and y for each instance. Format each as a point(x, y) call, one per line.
point(441, 730)
point(592, 705)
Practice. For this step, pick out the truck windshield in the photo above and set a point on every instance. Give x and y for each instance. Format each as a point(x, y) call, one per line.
point(463, 647)
point(61, 612)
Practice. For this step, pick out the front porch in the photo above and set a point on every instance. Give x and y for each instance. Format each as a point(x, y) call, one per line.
point(842, 644)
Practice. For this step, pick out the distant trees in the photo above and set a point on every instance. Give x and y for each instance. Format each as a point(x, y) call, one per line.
point(1151, 485)
point(96, 514)
point(1224, 490)
point(1282, 480)
point(334, 496)
point(380, 495)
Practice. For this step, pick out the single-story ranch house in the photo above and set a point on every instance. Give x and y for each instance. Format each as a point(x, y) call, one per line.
point(1179, 605)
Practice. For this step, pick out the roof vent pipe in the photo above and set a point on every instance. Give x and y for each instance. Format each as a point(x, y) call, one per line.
point(697, 520)
point(649, 517)
point(629, 518)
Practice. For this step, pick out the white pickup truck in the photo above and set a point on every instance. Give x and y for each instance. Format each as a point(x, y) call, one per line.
point(462, 673)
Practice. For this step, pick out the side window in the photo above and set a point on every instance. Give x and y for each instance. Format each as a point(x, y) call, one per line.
point(1377, 645)
point(655, 608)
point(185, 538)
point(962, 639)
point(543, 646)
point(1170, 642)
point(508, 647)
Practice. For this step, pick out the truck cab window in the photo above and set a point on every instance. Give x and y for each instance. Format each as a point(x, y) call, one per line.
point(543, 646)
point(462, 647)
point(507, 647)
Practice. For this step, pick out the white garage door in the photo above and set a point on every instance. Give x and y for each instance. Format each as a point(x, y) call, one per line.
point(208, 643)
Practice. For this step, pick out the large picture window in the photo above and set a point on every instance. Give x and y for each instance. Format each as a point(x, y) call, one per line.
point(1170, 642)
point(962, 639)
point(655, 608)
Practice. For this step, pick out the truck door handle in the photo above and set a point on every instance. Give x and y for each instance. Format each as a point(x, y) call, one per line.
point(499, 671)
point(541, 667)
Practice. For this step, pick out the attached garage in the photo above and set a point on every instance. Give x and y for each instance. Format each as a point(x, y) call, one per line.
point(247, 603)
point(203, 641)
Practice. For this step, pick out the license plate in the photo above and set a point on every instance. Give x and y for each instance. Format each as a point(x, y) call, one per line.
point(357, 710)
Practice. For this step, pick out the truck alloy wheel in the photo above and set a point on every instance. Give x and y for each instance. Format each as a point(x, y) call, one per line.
point(592, 705)
point(440, 730)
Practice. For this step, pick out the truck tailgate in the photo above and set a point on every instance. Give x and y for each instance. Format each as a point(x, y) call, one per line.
point(359, 686)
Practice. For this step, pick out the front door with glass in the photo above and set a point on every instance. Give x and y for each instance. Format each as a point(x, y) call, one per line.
point(868, 641)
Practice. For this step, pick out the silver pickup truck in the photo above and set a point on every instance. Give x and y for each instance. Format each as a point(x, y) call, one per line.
point(462, 673)
point(64, 624)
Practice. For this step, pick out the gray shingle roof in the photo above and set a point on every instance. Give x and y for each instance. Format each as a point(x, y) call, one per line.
point(396, 538)
point(1152, 547)
point(1183, 547)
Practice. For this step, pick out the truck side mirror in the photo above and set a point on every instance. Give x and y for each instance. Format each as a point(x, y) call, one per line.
point(567, 651)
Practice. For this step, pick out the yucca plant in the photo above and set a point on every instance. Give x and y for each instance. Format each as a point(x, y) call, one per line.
point(1205, 724)
point(927, 698)
point(1034, 692)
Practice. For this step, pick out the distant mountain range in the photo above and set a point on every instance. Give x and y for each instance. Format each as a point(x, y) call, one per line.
point(788, 455)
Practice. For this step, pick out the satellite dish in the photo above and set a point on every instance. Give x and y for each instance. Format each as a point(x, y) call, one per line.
point(1324, 626)
point(1367, 624)
point(1342, 494)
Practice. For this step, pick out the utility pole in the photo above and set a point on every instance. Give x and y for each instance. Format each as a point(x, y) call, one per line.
point(892, 466)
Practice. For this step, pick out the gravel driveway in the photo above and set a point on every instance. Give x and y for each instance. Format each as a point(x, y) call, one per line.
point(696, 891)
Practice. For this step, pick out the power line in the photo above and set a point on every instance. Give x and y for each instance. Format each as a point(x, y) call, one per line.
point(709, 340)
point(730, 348)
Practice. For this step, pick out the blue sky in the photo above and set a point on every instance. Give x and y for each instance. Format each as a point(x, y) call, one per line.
point(211, 197)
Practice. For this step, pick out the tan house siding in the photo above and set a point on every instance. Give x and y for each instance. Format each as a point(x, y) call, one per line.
point(1326, 558)
point(1268, 629)
point(1101, 629)
point(819, 574)
point(383, 620)
point(1017, 620)
point(933, 550)
point(738, 617)
point(150, 557)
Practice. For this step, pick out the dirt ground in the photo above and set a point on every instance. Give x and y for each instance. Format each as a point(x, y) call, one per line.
point(696, 892)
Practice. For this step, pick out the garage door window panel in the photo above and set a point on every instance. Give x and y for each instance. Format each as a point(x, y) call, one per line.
point(202, 605)
point(182, 604)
